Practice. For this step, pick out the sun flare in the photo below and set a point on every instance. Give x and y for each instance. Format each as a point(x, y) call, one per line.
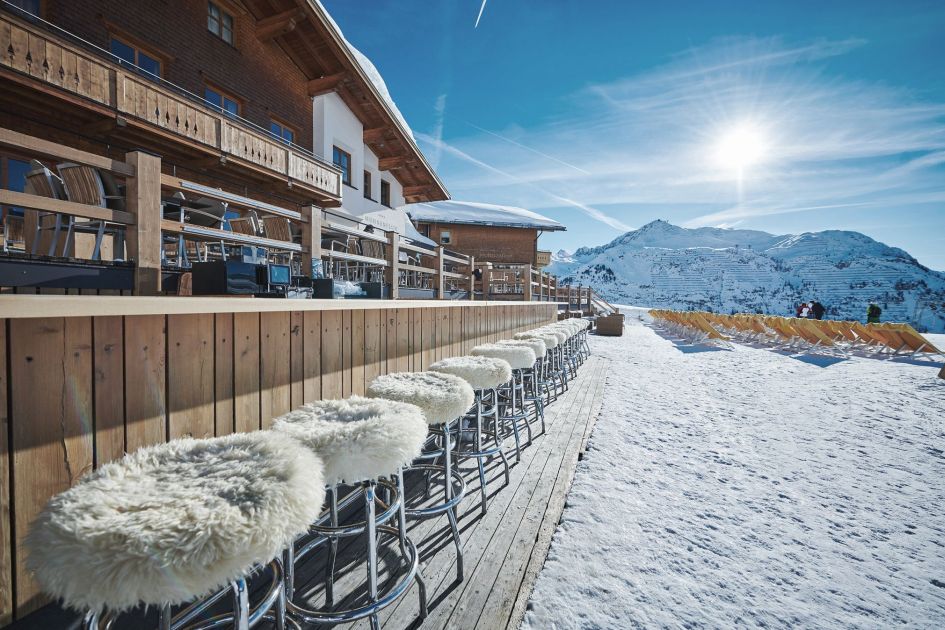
point(740, 148)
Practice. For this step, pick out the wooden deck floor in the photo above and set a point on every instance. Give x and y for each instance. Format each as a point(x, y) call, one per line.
point(505, 548)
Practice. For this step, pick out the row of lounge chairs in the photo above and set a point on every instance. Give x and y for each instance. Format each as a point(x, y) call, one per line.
point(798, 333)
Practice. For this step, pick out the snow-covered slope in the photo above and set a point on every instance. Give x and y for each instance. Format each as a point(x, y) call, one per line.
point(663, 265)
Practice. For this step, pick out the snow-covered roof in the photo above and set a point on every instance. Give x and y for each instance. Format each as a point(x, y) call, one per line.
point(473, 213)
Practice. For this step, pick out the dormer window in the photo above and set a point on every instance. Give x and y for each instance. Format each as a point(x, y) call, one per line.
point(220, 23)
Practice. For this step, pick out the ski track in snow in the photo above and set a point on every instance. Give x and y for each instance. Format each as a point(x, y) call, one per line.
point(745, 487)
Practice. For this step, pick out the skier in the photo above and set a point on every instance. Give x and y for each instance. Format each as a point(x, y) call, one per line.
point(873, 312)
point(817, 309)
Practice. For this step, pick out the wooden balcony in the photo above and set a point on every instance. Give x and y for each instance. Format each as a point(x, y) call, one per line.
point(47, 72)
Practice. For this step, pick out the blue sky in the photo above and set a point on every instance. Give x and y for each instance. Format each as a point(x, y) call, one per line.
point(606, 115)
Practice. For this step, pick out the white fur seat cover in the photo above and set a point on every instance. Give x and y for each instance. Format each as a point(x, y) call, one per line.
point(519, 357)
point(479, 372)
point(560, 334)
point(441, 397)
point(537, 345)
point(176, 521)
point(551, 340)
point(357, 438)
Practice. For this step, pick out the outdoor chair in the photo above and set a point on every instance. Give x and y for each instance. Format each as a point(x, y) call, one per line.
point(364, 443)
point(44, 183)
point(444, 400)
point(169, 523)
point(91, 186)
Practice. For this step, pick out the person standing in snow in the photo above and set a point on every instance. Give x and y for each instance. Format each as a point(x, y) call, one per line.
point(805, 309)
point(873, 311)
point(817, 309)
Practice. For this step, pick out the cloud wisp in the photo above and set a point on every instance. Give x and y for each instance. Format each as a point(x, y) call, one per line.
point(648, 140)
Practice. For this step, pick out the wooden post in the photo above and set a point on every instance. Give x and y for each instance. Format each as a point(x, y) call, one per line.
point(441, 285)
point(311, 239)
point(472, 277)
point(143, 192)
point(527, 273)
point(393, 264)
point(486, 279)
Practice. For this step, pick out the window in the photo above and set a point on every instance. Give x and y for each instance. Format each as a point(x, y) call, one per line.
point(13, 177)
point(385, 193)
point(342, 160)
point(281, 131)
point(223, 102)
point(445, 237)
point(134, 56)
point(30, 6)
point(220, 23)
point(367, 185)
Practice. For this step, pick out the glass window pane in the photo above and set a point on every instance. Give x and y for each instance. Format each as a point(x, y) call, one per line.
point(231, 106)
point(213, 97)
point(288, 134)
point(213, 11)
point(30, 6)
point(122, 50)
point(276, 129)
point(149, 63)
point(227, 35)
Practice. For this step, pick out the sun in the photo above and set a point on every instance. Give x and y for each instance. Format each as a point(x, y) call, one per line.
point(741, 147)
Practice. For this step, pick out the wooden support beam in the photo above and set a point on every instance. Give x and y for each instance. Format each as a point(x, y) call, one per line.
point(311, 240)
point(413, 191)
point(392, 163)
point(325, 84)
point(61, 206)
point(440, 284)
point(143, 193)
point(472, 277)
point(527, 277)
point(279, 24)
point(375, 135)
point(30, 144)
point(105, 127)
point(486, 280)
point(393, 264)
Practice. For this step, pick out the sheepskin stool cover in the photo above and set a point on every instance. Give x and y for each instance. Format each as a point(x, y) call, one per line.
point(357, 438)
point(519, 357)
point(480, 372)
point(173, 522)
point(560, 334)
point(442, 397)
point(551, 340)
point(537, 345)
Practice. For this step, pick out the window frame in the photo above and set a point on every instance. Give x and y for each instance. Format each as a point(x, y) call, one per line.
point(224, 96)
point(368, 185)
point(345, 172)
point(224, 13)
point(446, 237)
point(385, 192)
point(139, 49)
point(284, 127)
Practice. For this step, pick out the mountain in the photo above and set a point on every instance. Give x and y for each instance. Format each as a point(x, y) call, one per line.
point(725, 270)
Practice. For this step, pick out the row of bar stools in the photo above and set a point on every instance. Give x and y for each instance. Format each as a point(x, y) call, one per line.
point(444, 400)
point(511, 395)
point(484, 375)
point(364, 443)
point(530, 376)
point(177, 522)
point(546, 374)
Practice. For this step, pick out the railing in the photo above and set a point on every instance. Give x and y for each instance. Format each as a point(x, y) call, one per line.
point(88, 72)
point(516, 282)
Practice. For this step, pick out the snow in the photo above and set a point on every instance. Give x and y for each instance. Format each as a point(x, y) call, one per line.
point(745, 270)
point(746, 487)
point(480, 214)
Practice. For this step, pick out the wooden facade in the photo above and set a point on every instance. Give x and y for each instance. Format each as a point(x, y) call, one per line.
point(109, 375)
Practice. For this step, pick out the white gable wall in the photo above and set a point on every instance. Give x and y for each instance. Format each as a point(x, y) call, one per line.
point(336, 125)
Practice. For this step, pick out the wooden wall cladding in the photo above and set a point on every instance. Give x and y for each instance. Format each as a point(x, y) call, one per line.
point(80, 391)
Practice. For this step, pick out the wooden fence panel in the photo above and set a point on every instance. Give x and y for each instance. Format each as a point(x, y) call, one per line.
point(6, 522)
point(223, 374)
point(331, 355)
point(246, 372)
point(109, 359)
point(190, 386)
point(145, 381)
point(358, 350)
point(312, 360)
point(274, 366)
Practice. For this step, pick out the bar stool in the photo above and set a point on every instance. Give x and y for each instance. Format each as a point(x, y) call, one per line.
point(175, 522)
point(513, 392)
point(484, 375)
point(545, 381)
point(444, 399)
point(559, 372)
point(531, 393)
point(361, 441)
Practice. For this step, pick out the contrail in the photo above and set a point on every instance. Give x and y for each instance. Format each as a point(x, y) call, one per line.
point(527, 148)
point(479, 17)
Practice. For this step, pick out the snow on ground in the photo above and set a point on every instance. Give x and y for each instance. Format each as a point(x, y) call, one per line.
point(747, 487)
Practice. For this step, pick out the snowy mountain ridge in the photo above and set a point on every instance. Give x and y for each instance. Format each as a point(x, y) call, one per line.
point(725, 270)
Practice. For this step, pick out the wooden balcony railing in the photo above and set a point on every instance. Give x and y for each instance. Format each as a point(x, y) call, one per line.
point(48, 58)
